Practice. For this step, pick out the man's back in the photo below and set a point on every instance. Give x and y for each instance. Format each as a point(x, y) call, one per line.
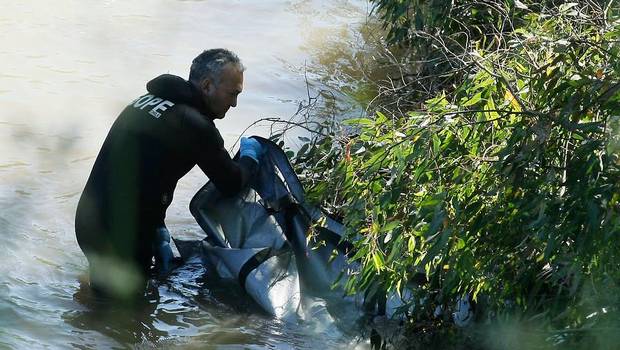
point(140, 162)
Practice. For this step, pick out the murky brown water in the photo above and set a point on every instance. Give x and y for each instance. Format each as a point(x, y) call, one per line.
point(68, 68)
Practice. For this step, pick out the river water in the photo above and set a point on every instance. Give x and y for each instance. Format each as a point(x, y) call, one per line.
point(68, 69)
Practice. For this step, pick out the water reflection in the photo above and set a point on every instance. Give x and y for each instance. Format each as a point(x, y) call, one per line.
point(192, 309)
point(189, 307)
point(126, 323)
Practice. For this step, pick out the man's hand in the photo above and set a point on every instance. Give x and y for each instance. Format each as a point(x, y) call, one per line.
point(251, 148)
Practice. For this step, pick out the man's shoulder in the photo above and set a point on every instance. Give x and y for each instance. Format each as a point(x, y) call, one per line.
point(199, 124)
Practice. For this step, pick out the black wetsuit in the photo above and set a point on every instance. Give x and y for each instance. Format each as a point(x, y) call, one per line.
point(156, 140)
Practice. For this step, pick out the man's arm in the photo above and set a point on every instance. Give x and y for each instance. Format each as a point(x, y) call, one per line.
point(228, 175)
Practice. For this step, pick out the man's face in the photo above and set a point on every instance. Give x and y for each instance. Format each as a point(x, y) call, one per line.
point(221, 95)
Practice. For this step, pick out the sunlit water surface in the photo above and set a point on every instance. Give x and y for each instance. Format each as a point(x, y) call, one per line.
point(68, 69)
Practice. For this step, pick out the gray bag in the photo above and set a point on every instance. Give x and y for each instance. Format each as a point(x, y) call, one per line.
point(284, 253)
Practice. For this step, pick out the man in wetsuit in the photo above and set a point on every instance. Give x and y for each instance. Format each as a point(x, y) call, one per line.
point(155, 141)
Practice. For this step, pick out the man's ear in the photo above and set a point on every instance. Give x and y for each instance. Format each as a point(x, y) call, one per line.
point(206, 85)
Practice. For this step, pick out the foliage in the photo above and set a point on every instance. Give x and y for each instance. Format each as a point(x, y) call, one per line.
point(501, 181)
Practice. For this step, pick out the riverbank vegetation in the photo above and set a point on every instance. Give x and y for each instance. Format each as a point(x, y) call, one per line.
point(487, 162)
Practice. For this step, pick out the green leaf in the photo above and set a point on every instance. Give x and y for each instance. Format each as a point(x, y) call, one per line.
point(303, 149)
point(390, 226)
point(377, 260)
point(430, 202)
point(486, 82)
point(436, 143)
point(359, 121)
point(381, 118)
point(472, 101)
point(411, 244)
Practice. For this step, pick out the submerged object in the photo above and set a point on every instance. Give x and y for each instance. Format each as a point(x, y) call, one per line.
point(282, 251)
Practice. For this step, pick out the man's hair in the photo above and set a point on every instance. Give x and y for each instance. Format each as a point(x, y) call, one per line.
point(209, 64)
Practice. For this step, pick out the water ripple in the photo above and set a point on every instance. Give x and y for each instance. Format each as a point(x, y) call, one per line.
point(14, 165)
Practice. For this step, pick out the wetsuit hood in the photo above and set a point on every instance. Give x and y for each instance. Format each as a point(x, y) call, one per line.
point(178, 90)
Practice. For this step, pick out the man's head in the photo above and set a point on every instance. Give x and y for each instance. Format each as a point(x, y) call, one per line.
point(218, 73)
